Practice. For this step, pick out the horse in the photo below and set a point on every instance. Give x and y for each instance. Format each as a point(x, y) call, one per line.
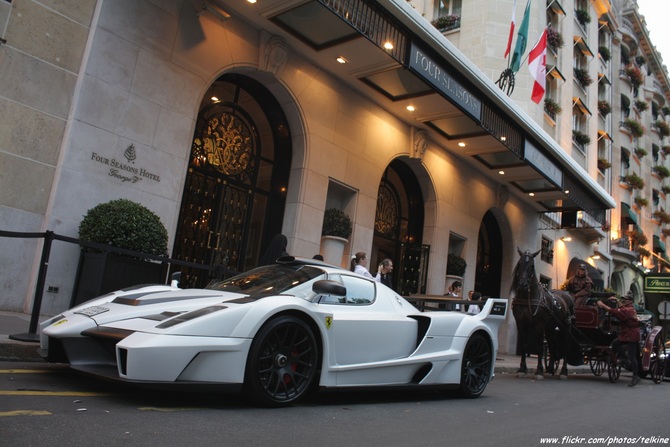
point(541, 315)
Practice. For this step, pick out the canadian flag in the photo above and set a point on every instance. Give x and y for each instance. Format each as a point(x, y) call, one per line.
point(511, 30)
point(537, 64)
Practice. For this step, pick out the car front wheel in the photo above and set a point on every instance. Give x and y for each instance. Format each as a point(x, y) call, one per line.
point(282, 362)
point(476, 367)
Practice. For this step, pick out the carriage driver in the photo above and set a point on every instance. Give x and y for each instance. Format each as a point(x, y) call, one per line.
point(629, 335)
point(580, 286)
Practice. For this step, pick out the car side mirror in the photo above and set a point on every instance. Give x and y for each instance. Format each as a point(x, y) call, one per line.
point(329, 287)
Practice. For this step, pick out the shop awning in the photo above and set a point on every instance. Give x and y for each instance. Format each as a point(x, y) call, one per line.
point(659, 245)
point(628, 214)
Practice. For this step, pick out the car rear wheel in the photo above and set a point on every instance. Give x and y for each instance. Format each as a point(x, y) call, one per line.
point(476, 367)
point(282, 362)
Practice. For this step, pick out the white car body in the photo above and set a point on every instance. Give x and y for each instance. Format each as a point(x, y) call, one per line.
point(350, 332)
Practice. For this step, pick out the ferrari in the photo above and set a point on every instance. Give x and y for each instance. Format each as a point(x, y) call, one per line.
point(276, 333)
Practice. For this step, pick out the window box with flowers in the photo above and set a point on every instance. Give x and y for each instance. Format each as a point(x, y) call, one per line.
point(641, 202)
point(604, 53)
point(661, 216)
point(641, 105)
point(604, 164)
point(554, 39)
point(636, 238)
point(582, 77)
point(661, 171)
point(665, 189)
point(580, 138)
point(634, 181)
point(447, 23)
point(640, 152)
point(634, 126)
point(665, 232)
point(582, 16)
point(604, 108)
point(551, 107)
point(663, 128)
point(665, 150)
point(634, 75)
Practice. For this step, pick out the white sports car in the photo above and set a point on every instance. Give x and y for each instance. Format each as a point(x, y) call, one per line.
point(275, 332)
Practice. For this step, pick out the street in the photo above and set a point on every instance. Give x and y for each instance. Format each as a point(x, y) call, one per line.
point(45, 404)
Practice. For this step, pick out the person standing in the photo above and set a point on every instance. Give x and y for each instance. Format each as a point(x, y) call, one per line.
point(629, 334)
point(384, 273)
point(580, 286)
point(359, 264)
point(473, 309)
point(455, 290)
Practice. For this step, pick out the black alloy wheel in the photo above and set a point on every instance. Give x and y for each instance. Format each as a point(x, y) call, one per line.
point(476, 367)
point(282, 362)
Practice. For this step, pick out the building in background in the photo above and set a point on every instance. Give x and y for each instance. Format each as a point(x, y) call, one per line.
point(250, 118)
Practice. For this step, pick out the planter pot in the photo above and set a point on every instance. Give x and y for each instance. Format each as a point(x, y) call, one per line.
point(100, 273)
point(332, 249)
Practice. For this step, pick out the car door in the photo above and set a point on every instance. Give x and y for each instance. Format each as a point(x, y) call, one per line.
point(366, 330)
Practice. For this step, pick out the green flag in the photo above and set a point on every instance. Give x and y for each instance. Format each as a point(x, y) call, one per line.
point(521, 40)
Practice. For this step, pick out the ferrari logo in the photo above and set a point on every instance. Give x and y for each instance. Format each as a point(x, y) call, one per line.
point(329, 322)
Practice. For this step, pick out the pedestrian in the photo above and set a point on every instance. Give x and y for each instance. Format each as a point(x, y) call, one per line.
point(455, 290)
point(384, 273)
point(276, 249)
point(580, 286)
point(473, 309)
point(629, 334)
point(359, 264)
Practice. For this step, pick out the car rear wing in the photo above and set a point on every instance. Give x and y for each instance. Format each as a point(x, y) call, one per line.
point(491, 307)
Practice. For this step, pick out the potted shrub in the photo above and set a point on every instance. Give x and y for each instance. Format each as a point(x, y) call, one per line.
point(456, 265)
point(581, 138)
point(634, 181)
point(661, 216)
point(582, 17)
point(665, 189)
point(604, 108)
point(634, 126)
point(641, 105)
point(554, 39)
point(582, 77)
point(551, 107)
point(641, 202)
point(604, 164)
point(119, 224)
point(447, 23)
point(604, 53)
point(335, 233)
point(634, 75)
point(640, 152)
point(661, 171)
point(663, 128)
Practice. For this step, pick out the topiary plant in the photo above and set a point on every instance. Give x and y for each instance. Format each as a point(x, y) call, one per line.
point(336, 223)
point(456, 265)
point(125, 224)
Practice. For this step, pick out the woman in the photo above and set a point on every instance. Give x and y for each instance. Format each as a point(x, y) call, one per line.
point(359, 264)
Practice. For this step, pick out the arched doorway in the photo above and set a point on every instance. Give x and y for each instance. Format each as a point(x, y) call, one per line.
point(399, 228)
point(489, 257)
point(235, 190)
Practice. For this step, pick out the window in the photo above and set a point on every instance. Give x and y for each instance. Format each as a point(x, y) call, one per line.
point(547, 253)
point(656, 199)
point(625, 162)
point(448, 7)
point(360, 291)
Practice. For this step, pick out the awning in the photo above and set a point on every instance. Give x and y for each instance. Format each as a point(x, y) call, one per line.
point(582, 46)
point(628, 213)
point(659, 245)
point(577, 102)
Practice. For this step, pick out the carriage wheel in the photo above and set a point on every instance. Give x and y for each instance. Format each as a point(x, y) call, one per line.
point(597, 365)
point(551, 363)
point(657, 366)
point(613, 369)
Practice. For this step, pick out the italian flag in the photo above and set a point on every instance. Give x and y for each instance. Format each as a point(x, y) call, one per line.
point(511, 31)
point(537, 64)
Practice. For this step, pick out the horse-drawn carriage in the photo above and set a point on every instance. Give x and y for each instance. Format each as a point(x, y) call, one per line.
point(549, 325)
point(595, 330)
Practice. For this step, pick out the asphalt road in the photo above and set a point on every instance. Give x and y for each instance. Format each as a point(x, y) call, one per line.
point(43, 404)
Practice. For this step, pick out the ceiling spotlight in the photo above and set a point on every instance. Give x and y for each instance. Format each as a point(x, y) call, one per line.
point(388, 45)
point(503, 138)
point(411, 108)
point(461, 144)
point(532, 194)
point(341, 60)
point(251, 1)
point(215, 99)
point(501, 172)
point(566, 238)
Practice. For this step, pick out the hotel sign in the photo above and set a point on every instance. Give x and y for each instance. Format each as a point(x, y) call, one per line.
point(438, 77)
point(125, 171)
point(542, 164)
point(657, 284)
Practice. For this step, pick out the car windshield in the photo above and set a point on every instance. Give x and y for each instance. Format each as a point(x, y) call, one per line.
point(271, 280)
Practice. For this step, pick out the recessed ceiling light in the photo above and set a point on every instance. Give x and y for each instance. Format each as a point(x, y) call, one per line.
point(461, 144)
point(388, 45)
point(503, 138)
point(501, 172)
point(341, 60)
point(411, 108)
point(215, 99)
point(532, 194)
point(251, 1)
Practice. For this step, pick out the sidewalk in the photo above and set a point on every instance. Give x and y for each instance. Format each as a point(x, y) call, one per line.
point(16, 323)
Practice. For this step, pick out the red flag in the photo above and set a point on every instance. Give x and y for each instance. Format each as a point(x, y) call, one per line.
point(511, 31)
point(537, 64)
